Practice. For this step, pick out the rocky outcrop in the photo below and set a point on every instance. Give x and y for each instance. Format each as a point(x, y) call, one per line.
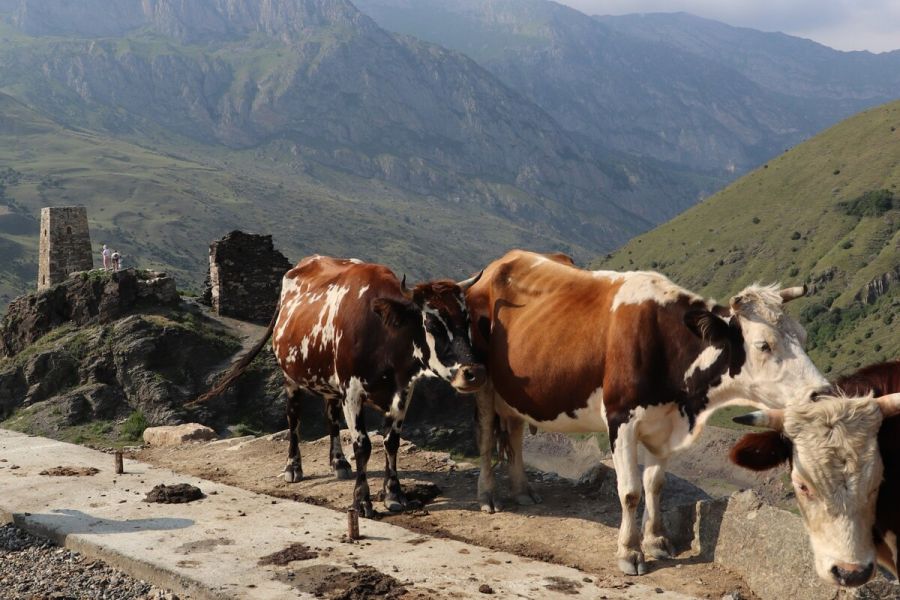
point(85, 298)
point(878, 286)
point(245, 272)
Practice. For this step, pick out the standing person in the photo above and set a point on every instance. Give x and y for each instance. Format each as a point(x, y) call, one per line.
point(106, 256)
point(115, 260)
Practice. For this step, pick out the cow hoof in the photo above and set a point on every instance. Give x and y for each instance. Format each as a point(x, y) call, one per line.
point(366, 511)
point(634, 564)
point(658, 547)
point(292, 474)
point(488, 504)
point(395, 504)
point(343, 471)
point(528, 498)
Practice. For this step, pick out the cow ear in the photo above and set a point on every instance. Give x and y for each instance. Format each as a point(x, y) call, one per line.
point(761, 451)
point(706, 325)
point(395, 313)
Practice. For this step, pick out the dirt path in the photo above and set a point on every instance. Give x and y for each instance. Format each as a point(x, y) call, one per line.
point(576, 525)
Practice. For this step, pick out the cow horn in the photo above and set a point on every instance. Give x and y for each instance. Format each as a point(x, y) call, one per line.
point(465, 284)
point(772, 419)
point(890, 405)
point(792, 293)
point(403, 284)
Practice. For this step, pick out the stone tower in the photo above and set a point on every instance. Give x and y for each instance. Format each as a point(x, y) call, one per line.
point(65, 244)
point(245, 272)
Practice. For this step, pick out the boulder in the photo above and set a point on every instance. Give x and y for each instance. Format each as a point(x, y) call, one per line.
point(175, 435)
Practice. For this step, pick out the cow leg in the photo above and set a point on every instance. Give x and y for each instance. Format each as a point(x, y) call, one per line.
point(655, 542)
point(362, 449)
point(628, 481)
point(394, 498)
point(486, 416)
point(293, 470)
point(339, 465)
point(521, 491)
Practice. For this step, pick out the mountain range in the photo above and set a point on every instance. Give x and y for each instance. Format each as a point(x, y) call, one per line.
point(429, 136)
point(679, 88)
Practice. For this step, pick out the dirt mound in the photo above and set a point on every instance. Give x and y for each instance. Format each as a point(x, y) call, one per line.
point(174, 494)
point(365, 584)
point(291, 553)
point(70, 471)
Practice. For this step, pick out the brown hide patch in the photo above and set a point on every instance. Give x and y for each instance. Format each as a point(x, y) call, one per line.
point(304, 312)
point(553, 341)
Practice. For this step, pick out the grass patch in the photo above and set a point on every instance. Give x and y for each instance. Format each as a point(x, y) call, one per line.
point(134, 426)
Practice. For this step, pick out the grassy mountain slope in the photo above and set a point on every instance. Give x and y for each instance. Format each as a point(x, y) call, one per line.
point(162, 210)
point(804, 216)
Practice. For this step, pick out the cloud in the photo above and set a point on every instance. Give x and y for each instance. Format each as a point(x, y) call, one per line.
point(843, 24)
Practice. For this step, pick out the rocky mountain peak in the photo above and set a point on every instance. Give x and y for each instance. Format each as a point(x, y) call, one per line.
point(190, 21)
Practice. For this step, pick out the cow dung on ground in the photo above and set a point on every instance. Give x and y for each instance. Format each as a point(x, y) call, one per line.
point(293, 552)
point(70, 471)
point(179, 493)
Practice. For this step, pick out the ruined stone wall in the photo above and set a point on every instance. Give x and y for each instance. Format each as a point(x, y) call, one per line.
point(245, 272)
point(65, 244)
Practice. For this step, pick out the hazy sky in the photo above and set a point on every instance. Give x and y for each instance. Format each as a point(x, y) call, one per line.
point(843, 24)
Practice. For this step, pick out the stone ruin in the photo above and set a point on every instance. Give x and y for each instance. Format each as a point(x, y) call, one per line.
point(245, 272)
point(65, 245)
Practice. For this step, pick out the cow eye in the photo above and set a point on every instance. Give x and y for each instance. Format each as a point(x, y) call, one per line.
point(804, 489)
point(763, 346)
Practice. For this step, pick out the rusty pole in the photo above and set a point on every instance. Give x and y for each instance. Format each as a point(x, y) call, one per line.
point(353, 524)
point(120, 467)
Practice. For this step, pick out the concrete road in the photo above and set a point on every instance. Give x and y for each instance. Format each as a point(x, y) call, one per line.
point(211, 548)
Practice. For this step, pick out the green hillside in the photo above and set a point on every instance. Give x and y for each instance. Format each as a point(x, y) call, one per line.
point(826, 212)
point(162, 210)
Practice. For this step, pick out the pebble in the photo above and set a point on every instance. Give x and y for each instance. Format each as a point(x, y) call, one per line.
point(32, 567)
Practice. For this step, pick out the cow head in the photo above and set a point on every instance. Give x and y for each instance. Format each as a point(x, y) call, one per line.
point(836, 470)
point(766, 361)
point(435, 313)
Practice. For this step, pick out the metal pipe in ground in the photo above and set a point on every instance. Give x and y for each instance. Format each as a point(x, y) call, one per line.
point(120, 466)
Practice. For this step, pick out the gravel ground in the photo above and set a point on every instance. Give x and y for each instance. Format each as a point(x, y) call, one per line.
point(33, 568)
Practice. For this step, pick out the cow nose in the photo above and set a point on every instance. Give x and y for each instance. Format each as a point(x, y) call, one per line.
point(852, 575)
point(470, 377)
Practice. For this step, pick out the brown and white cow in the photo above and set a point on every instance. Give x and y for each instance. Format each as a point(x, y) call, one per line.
point(352, 333)
point(578, 351)
point(844, 455)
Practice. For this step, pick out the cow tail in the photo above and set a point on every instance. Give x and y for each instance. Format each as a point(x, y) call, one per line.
point(238, 368)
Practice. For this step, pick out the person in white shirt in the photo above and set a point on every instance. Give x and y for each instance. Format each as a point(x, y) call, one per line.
point(106, 256)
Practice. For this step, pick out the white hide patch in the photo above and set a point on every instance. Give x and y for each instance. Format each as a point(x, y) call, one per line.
point(642, 286)
point(434, 363)
point(589, 419)
point(705, 360)
point(292, 355)
point(362, 291)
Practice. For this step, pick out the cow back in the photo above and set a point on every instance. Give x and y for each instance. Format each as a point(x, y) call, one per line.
point(327, 330)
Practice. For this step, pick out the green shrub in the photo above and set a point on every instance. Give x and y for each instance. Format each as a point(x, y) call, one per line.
point(870, 204)
point(134, 426)
point(795, 235)
point(847, 245)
